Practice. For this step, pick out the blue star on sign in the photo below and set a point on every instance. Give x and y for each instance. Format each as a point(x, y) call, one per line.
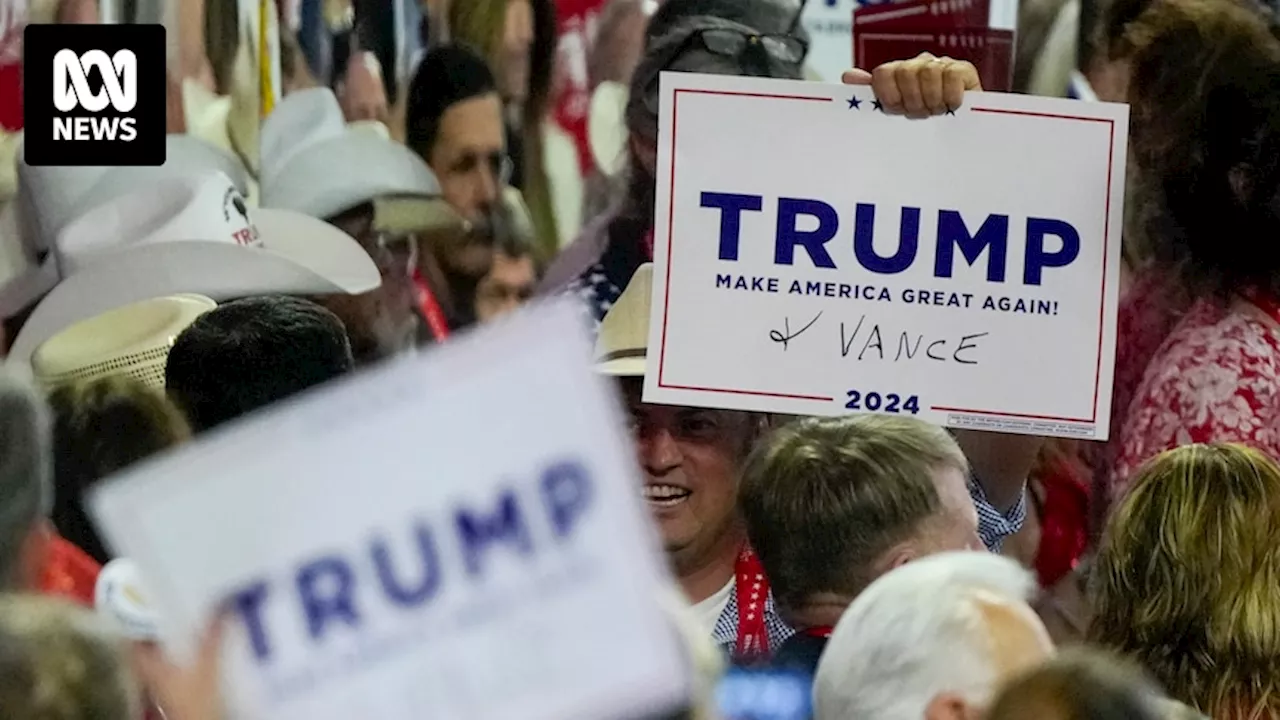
point(855, 103)
point(951, 111)
point(877, 105)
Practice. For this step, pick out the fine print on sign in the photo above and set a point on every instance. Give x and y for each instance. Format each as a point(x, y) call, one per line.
point(440, 537)
point(815, 256)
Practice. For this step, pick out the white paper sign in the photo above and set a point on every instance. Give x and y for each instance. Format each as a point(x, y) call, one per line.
point(815, 256)
point(458, 535)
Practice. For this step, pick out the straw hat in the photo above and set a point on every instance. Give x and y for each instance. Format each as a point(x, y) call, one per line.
point(133, 340)
point(313, 162)
point(624, 334)
point(191, 235)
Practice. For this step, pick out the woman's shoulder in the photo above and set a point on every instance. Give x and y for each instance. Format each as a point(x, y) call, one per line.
point(1216, 378)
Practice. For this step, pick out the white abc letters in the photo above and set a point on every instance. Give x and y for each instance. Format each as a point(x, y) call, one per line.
point(71, 81)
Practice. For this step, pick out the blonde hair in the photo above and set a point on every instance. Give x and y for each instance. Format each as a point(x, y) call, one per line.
point(59, 663)
point(1187, 579)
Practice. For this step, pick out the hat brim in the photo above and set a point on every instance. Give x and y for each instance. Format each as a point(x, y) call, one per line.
point(299, 256)
point(341, 173)
point(622, 367)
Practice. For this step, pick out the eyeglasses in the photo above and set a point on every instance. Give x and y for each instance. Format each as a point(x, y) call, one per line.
point(738, 46)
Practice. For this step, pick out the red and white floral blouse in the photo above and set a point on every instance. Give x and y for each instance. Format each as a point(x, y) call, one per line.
point(1216, 378)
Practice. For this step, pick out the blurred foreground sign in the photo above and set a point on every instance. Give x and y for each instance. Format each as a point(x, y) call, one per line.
point(457, 535)
point(815, 256)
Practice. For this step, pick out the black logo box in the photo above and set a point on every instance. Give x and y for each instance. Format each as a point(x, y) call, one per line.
point(41, 43)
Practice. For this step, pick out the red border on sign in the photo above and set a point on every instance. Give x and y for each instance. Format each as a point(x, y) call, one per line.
point(1106, 242)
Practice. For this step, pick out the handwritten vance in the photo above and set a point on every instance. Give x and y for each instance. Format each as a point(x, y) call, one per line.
point(872, 342)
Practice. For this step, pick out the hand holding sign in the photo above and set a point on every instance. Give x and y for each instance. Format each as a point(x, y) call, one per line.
point(185, 692)
point(921, 87)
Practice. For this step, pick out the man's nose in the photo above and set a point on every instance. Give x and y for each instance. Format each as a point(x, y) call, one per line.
point(659, 452)
point(489, 188)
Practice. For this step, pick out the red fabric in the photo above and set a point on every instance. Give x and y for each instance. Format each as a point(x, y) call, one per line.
point(13, 18)
point(821, 631)
point(1215, 379)
point(1063, 505)
point(432, 313)
point(576, 20)
point(69, 572)
point(752, 589)
point(1148, 313)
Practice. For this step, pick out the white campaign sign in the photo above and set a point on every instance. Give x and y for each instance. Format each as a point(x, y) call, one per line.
point(815, 256)
point(458, 535)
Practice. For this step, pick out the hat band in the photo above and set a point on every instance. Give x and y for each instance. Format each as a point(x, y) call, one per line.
point(623, 354)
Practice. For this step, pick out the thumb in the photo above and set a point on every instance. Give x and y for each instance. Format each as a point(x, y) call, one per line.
point(856, 76)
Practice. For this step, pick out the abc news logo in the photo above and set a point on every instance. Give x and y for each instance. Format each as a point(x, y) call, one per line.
point(71, 90)
point(94, 95)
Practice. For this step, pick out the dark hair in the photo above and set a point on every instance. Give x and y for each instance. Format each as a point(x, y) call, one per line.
point(101, 426)
point(446, 76)
point(673, 50)
point(824, 498)
point(249, 353)
point(1079, 685)
point(1205, 129)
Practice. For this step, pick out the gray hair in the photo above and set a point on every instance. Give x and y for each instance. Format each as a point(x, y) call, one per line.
point(918, 631)
point(26, 485)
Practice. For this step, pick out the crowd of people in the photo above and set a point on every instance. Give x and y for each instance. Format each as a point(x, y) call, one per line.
point(901, 570)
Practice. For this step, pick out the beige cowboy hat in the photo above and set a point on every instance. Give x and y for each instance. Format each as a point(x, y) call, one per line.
point(191, 235)
point(133, 340)
point(623, 340)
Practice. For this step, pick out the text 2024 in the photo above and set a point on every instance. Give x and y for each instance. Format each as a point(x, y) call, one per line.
point(888, 402)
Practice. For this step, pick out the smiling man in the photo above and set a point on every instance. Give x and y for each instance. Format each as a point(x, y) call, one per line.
point(691, 459)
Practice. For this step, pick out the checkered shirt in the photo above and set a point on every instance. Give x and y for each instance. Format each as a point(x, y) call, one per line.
point(993, 525)
point(726, 633)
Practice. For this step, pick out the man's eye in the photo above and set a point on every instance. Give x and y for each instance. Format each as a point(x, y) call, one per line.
point(697, 424)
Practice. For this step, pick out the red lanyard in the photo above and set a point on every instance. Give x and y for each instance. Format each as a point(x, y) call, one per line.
point(820, 631)
point(1267, 303)
point(752, 590)
point(430, 308)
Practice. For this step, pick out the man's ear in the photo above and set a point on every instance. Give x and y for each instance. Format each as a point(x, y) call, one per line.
point(898, 555)
point(949, 706)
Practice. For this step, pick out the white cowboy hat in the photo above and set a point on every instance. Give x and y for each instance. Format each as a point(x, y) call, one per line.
point(623, 340)
point(191, 235)
point(51, 197)
point(314, 163)
point(133, 340)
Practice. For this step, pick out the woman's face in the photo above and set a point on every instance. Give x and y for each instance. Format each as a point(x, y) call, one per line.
point(515, 49)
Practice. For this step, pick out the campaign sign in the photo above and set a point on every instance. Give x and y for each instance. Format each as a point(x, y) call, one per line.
point(815, 256)
point(457, 535)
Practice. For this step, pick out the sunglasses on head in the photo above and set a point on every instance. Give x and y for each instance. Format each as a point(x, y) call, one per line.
point(736, 45)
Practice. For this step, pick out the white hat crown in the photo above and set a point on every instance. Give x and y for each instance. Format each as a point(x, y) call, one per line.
point(313, 162)
point(208, 208)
